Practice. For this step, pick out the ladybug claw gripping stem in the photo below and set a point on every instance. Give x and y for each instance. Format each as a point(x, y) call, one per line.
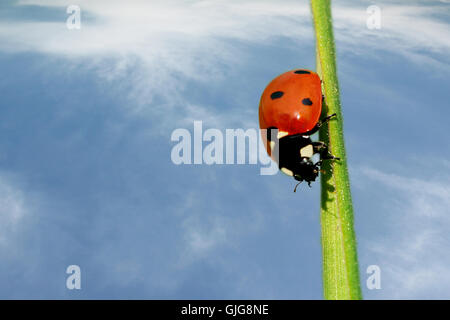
point(328, 118)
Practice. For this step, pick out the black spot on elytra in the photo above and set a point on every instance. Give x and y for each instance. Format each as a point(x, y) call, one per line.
point(302, 72)
point(307, 102)
point(276, 95)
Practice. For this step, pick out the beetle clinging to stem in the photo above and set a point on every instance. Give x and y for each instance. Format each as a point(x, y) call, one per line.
point(289, 111)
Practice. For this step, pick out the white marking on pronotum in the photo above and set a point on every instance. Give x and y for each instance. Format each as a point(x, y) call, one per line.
point(282, 134)
point(307, 151)
point(287, 171)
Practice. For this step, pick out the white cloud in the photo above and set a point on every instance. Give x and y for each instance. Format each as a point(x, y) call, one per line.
point(153, 49)
point(206, 229)
point(413, 248)
point(202, 237)
point(403, 28)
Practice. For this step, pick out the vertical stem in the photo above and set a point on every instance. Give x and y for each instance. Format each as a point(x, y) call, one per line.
point(340, 261)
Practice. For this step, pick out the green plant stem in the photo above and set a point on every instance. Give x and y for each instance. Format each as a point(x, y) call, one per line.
point(340, 260)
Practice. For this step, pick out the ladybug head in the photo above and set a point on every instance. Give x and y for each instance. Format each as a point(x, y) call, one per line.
point(306, 171)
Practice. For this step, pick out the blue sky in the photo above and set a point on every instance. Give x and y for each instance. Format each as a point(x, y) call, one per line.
point(86, 176)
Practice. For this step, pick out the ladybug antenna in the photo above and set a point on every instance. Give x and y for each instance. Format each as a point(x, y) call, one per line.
point(295, 189)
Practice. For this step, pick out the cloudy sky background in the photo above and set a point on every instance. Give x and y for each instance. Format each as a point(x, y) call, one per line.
point(86, 177)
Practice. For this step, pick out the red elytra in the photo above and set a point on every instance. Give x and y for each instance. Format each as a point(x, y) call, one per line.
point(292, 102)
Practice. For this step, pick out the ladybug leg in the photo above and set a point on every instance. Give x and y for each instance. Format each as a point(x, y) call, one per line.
point(326, 119)
point(329, 156)
point(322, 149)
point(319, 146)
point(319, 124)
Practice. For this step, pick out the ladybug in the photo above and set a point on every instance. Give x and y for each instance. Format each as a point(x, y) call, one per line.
point(289, 111)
